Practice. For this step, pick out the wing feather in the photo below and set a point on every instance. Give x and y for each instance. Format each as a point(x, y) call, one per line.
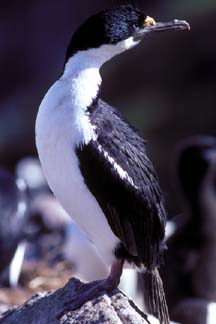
point(121, 177)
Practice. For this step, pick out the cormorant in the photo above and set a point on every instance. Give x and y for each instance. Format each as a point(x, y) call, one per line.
point(96, 163)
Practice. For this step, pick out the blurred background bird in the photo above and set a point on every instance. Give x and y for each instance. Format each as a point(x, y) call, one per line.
point(189, 271)
point(14, 213)
point(43, 236)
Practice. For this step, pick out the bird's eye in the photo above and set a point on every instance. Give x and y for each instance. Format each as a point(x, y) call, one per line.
point(149, 22)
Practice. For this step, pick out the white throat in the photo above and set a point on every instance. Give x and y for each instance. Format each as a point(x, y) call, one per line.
point(96, 57)
point(82, 71)
point(65, 104)
point(83, 80)
point(67, 101)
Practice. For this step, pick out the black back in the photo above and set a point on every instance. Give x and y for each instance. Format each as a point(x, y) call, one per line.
point(135, 211)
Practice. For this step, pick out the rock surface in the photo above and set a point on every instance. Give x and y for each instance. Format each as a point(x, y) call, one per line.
point(60, 307)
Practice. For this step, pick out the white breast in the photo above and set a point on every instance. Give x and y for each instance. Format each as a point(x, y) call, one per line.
point(62, 124)
point(78, 249)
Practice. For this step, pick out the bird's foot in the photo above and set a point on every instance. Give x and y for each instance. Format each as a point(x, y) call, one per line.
point(93, 289)
point(113, 279)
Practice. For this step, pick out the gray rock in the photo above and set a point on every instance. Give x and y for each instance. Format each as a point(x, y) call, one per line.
point(60, 307)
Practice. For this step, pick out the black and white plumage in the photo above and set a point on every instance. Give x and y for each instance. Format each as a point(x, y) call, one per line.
point(118, 172)
point(95, 163)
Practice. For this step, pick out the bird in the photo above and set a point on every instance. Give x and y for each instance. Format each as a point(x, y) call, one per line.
point(29, 169)
point(14, 215)
point(191, 247)
point(96, 163)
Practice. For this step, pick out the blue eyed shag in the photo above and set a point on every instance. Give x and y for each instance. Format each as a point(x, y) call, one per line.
point(95, 162)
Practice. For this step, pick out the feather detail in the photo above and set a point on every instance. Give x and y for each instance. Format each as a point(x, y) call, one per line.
point(155, 297)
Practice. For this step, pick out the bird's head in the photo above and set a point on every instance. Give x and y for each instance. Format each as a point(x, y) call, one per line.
point(197, 165)
point(112, 31)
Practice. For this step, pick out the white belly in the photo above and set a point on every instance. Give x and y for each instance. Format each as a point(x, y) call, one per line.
point(55, 137)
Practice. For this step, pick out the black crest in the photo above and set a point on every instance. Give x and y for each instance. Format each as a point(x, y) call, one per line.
point(106, 27)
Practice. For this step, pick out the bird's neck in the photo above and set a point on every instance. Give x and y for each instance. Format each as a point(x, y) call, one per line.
point(79, 88)
point(83, 79)
point(69, 99)
point(82, 71)
point(94, 58)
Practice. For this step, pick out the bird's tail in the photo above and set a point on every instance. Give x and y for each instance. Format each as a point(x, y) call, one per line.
point(155, 297)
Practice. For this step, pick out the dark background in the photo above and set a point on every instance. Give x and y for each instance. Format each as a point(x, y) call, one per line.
point(166, 86)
